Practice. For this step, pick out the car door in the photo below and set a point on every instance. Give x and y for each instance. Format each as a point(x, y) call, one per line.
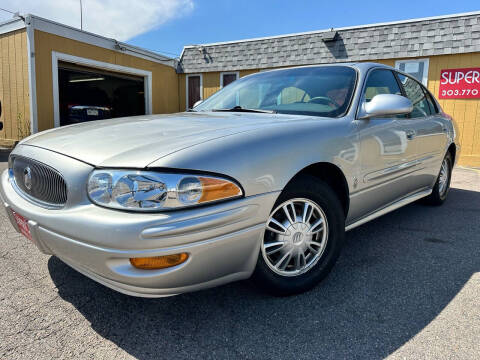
point(387, 150)
point(430, 131)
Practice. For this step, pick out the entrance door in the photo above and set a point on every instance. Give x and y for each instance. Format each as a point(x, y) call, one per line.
point(194, 90)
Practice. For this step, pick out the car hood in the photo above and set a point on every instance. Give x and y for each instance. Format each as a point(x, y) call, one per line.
point(135, 142)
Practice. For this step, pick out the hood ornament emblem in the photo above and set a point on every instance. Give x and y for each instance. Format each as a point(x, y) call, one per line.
point(27, 178)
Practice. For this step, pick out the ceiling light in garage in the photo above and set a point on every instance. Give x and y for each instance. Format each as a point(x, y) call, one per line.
point(86, 79)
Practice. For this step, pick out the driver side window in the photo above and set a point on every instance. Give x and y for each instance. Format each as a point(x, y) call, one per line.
point(381, 81)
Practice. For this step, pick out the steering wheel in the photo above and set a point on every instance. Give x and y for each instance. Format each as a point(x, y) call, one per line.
point(323, 100)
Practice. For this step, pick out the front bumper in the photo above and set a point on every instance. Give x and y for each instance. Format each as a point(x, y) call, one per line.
point(222, 240)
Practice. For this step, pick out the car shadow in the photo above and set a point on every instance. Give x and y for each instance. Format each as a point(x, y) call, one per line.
point(395, 275)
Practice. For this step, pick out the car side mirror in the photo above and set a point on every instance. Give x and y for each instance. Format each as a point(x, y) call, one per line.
point(197, 103)
point(386, 105)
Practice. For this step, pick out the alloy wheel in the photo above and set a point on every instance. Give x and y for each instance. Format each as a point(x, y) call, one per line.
point(295, 238)
point(443, 177)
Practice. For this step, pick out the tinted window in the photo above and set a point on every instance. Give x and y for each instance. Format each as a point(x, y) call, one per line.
point(381, 82)
point(320, 91)
point(228, 78)
point(415, 93)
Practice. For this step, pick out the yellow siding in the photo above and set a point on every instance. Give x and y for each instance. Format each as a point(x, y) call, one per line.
point(14, 89)
point(247, 72)
point(164, 78)
point(211, 84)
point(389, 62)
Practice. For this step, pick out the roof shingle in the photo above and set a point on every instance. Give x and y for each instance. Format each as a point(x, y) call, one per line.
point(412, 38)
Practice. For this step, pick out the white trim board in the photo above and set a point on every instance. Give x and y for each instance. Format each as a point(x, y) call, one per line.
point(186, 87)
point(237, 73)
point(72, 33)
point(12, 25)
point(32, 77)
point(56, 56)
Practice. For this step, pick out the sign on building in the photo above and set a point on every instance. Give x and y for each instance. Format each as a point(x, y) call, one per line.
point(459, 83)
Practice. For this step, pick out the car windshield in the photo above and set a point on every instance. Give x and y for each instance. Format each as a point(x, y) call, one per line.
point(318, 91)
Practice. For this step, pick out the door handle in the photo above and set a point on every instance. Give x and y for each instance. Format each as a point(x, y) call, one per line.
point(410, 134)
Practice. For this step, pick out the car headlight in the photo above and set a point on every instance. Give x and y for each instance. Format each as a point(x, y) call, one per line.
point(153, 191)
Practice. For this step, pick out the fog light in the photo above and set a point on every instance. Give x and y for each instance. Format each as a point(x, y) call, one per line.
point(159, 262)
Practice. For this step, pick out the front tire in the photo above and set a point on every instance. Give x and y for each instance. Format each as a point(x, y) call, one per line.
point(442, 185)
point(303, 238)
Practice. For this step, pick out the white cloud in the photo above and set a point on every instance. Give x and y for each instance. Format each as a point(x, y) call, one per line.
point(119, 19)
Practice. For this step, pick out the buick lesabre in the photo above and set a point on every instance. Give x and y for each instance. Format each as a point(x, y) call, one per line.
point(260, 180)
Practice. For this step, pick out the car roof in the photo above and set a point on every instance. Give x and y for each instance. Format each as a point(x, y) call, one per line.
point(362, 66)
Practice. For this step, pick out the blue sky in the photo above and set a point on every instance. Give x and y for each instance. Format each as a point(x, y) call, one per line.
point(166, 25)
point(224, 20)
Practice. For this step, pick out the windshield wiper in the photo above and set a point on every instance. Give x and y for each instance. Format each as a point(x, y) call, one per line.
point(241, 109)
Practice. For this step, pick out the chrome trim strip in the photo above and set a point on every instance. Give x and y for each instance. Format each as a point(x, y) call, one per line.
point(398, 204)
point(394, 169)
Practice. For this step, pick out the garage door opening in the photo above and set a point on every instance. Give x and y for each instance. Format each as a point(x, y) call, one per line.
point(87, 94)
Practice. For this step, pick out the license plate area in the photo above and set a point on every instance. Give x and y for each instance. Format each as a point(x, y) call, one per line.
point(22, 224)
point(92, 112)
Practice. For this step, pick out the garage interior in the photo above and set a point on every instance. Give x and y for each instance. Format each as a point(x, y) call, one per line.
point(87, 94)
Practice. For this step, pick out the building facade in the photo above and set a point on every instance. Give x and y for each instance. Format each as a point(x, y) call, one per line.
point(53, 75)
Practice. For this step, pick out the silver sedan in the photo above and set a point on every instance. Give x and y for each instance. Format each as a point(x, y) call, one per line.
point(260, 180)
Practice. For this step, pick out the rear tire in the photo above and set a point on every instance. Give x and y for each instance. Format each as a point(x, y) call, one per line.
point(312, 229)
point(442, 185)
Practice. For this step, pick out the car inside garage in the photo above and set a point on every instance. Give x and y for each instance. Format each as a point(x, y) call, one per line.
point(87, 94)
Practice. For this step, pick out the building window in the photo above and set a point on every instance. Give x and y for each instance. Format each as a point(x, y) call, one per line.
point(194, 90)
point(418, 68)
point(227, 78)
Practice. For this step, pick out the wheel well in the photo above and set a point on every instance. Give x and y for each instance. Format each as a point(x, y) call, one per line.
point(452, 149)
point(334, 177)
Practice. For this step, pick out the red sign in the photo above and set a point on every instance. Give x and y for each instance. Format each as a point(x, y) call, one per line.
point(459, 84)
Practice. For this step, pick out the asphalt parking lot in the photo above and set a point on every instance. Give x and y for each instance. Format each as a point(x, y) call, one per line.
point(407, 286)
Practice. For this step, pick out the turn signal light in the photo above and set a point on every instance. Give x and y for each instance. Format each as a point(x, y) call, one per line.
point(218, 189)
point(159, 262)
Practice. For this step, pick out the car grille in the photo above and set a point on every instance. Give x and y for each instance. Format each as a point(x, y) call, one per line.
point(39, 182)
